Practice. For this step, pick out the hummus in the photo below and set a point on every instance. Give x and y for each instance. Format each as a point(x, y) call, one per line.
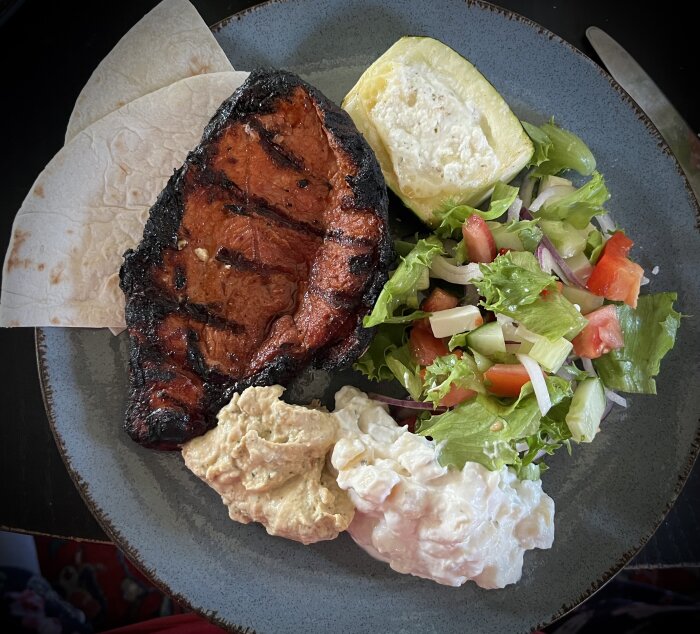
point(267, 460)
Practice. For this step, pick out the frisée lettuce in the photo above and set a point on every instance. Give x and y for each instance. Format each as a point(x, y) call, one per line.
point(513, 285)
point(486, 431)
point(649, 332)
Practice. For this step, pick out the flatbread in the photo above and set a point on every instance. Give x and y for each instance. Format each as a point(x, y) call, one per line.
point(91, 202)
point(168, 44)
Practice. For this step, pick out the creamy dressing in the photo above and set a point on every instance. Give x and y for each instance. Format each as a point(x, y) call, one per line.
point(425, 519)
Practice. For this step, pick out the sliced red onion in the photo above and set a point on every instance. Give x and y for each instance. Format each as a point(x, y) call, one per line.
point(551, 261)
point(615, 398)
point(408, 403)
point(557, 191)
point(588, 367)
point(606, 411)
point(563, 373)
point(514, 210)
point(539, 385)
point(568, 276)
point(526, 189)
point(508, 327)
point(607, 226)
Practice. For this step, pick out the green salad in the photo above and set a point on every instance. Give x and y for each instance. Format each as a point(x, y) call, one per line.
point(512, 328)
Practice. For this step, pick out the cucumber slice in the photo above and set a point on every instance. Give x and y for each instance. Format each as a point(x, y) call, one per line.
point(568, 240)
point(586, 410)
point(456, 150)
point(503, 238)
point(587, 301)
point(488, 339)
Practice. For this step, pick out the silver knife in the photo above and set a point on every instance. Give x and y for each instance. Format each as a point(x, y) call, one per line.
point(631, 76)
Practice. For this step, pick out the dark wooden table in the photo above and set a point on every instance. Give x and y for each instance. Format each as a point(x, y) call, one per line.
point(47, 52)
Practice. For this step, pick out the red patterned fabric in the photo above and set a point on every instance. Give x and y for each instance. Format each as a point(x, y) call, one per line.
point(100, 581)
point(180, 624)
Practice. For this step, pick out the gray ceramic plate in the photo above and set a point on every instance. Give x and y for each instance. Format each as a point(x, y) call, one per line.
point(610, 496)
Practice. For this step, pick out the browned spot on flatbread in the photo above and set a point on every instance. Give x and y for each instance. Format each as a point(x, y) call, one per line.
point(69, 232)
point(121, 103)
point(199, 67)
point(14, 261)
point(41, 266)
point(13, 324)
point(39, 191)
point(56, 273)
point(55, 321)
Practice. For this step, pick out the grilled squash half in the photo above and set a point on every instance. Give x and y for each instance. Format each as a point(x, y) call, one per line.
point(440, 130)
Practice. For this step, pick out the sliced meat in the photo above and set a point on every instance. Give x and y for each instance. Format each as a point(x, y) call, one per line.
point(262, 255)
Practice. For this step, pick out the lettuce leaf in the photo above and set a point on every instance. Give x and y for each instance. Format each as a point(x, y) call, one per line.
point(373, 363)
point(579, 206)
point(649, 332)
point(484, 430)
point(447, 371)
point(553, 433)
point(512, 285)
point(543, 144)
point(452, 217)
point(557, 150)
point(594, 246)
point(528, 231)
point(405, 370)
point(460, 254)
point(401, 289)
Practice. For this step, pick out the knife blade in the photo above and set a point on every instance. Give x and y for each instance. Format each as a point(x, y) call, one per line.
point(683, 142)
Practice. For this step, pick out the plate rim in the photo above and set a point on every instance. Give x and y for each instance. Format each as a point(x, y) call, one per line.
point(132, 552)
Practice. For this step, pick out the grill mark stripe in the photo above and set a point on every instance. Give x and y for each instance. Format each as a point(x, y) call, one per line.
point(336, 299)
point(203, 314)
point(238, 261)
point(280, 155)
point(261, 207)
point(163, 304)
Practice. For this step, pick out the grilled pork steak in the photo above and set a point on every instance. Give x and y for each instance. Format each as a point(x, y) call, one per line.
point(262, 255)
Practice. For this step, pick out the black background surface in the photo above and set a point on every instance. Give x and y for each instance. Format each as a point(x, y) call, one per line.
point(48, 51)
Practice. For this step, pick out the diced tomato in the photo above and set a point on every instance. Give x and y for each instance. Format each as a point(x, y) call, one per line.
point(503, 251)
point(506, 379)
point(615, 276)
point(481, 247)
point(424, 347)
point(439, 300)
point(457, 395)
point(618, 244)
point(601, 335)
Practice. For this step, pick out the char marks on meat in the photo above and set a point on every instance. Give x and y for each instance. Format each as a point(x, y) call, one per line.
point(262, 255)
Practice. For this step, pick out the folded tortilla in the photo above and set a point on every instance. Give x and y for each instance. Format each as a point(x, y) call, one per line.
point(91, 202)
point(168, 44)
